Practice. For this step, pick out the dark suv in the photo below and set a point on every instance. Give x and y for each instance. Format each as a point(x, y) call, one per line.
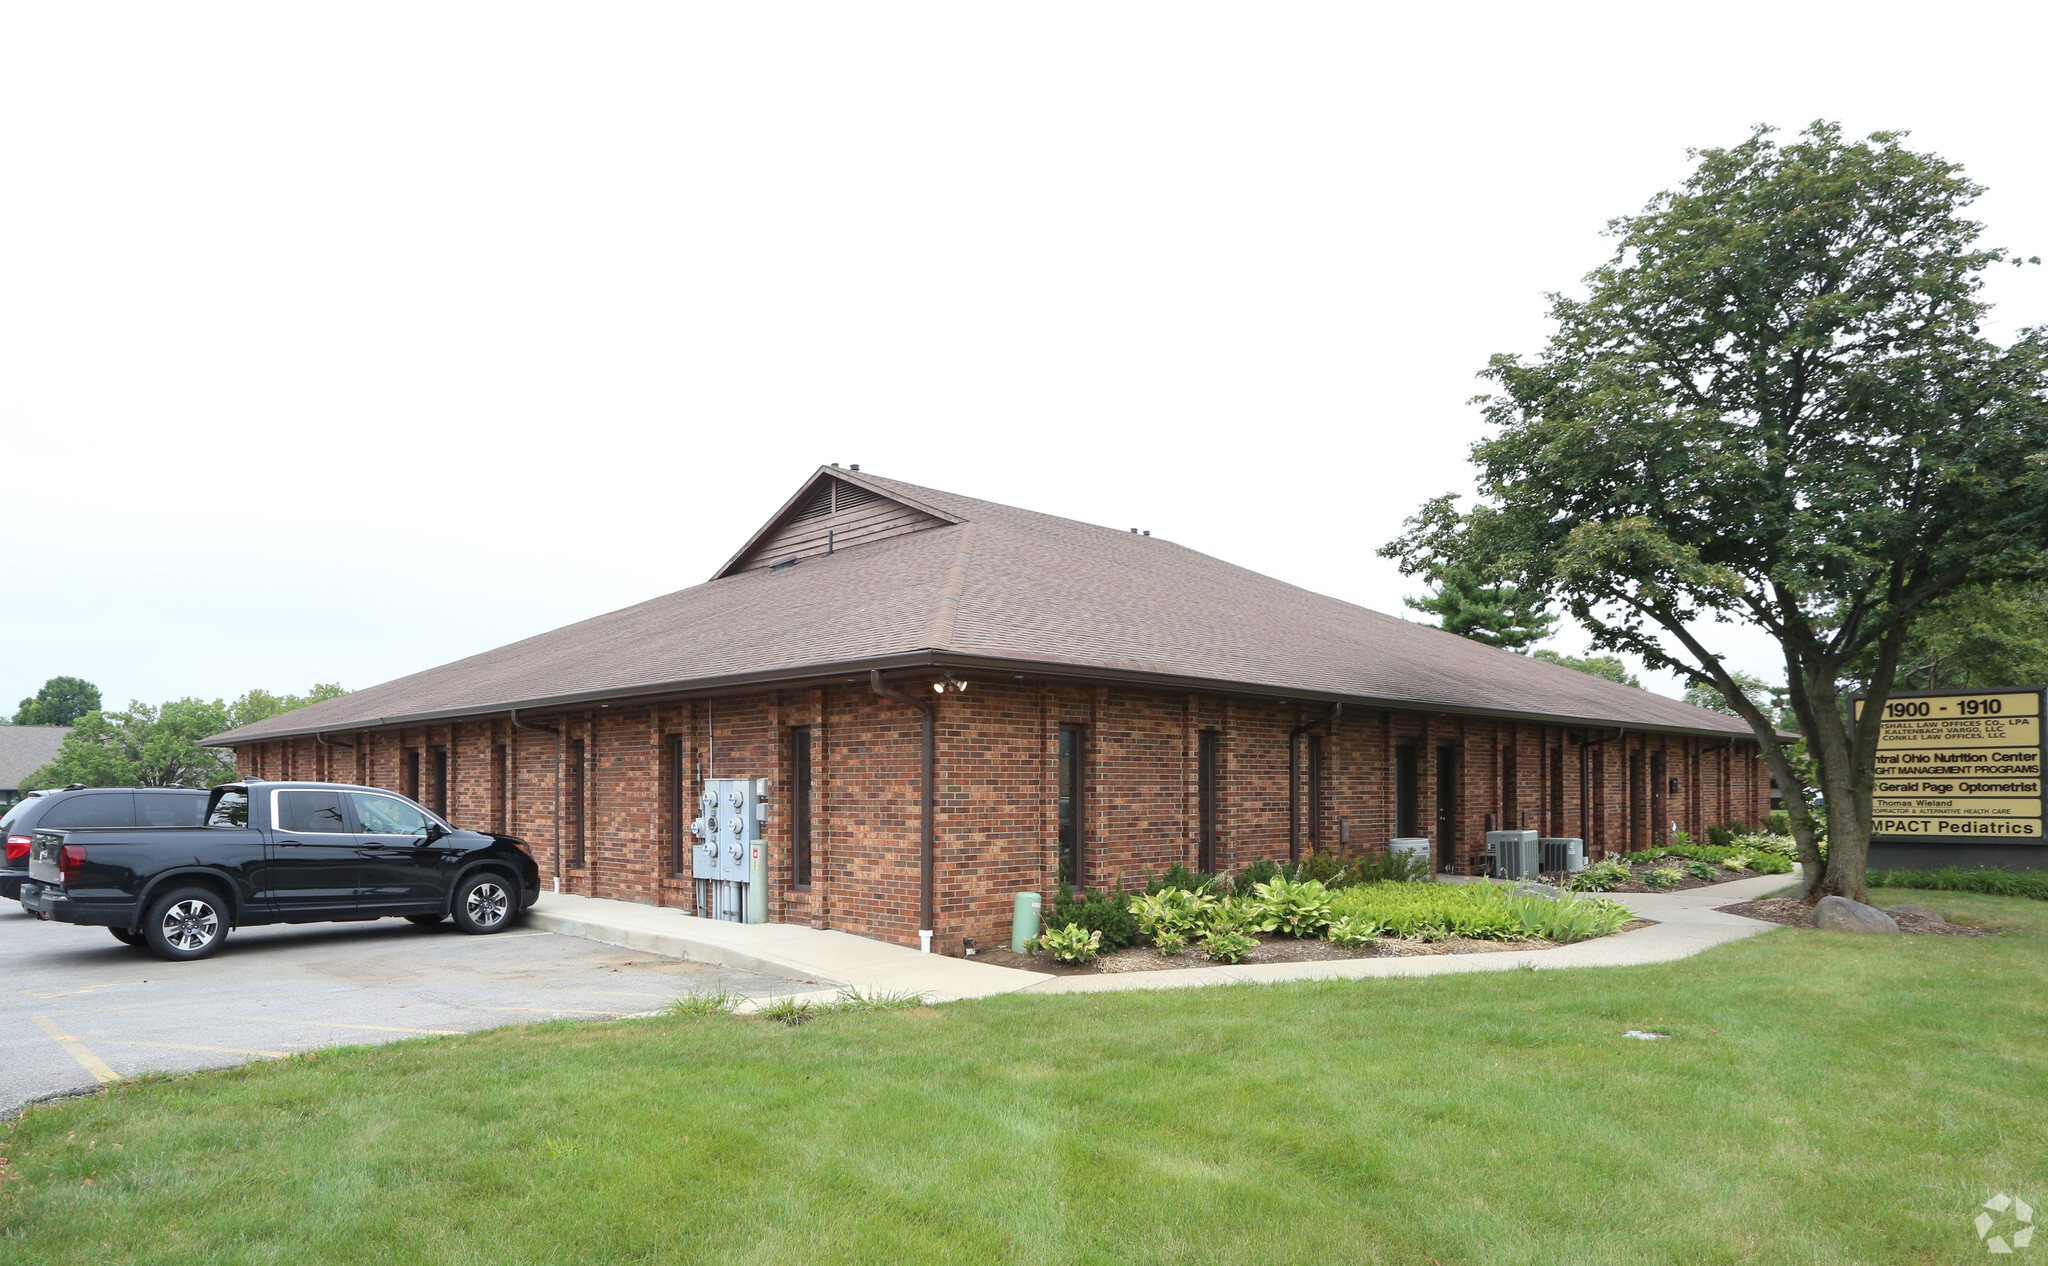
point(78, 806)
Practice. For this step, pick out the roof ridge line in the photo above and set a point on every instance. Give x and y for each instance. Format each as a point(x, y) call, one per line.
point(938, 630)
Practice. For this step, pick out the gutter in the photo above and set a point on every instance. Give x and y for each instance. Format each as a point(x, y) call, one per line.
point(928, 801)
point(1294, 776)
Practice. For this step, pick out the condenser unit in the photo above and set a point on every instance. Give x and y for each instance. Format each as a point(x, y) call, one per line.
point(1562, 854)
point(1514, 854)
point(1416, 846)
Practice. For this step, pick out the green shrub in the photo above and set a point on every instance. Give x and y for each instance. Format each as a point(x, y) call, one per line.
point(1228, 947)
point(1179, 876)
point(1680, 839)
point(1778, 822)
point(1072, 943)
point(1355, 931)
point(1330, 871)
point(1703, 870)
point(1170, 942)
point(1691, 852)
point(1258, 872)
point(1491, 912)
point(1777, 845)
point(1990, 880)
point(1392, 867)
point(1603, 876)
point(1106, 912)
point(1770, 864)
point(1293, 908)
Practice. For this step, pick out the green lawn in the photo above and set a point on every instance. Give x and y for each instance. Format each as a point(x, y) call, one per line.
point(1821, 1098)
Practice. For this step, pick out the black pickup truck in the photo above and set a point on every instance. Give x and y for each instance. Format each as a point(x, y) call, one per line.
point(278, 852)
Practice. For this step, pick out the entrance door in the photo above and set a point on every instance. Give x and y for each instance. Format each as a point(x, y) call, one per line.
point(1446, 807)
point(403, 868)
point(314, 865)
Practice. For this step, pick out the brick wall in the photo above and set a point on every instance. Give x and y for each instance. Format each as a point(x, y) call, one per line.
point(997, 826)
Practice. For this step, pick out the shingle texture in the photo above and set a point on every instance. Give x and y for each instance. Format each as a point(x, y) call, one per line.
point(1016, 585)
point(26, 748)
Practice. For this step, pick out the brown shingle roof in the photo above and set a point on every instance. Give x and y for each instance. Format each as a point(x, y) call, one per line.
point(1002, 588)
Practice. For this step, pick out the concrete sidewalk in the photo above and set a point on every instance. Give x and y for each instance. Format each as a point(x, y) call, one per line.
point(807, 955)
point(1685, 923)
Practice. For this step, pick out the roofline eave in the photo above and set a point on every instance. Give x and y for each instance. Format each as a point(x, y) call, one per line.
point(699, 687)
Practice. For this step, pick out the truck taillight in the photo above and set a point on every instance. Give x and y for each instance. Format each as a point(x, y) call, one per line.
point(70, 862)
point(17, 846)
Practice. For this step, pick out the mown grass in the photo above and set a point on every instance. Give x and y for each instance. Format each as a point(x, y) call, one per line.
point(1820, 1098)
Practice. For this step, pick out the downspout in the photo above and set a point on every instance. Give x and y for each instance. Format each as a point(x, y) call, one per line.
point(926, 790)
point(1294, 777)
point(517, 725)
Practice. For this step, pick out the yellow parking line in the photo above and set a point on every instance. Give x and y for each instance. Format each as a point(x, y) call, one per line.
point(542, 1010)
point(73, 993)
point(269, 1019)
point(76, 1050)
point(181, 1046)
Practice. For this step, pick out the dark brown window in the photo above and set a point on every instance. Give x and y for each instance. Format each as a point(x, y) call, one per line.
point(1636, 817)
point(1407, 790)
point(1205, 783)
point(501, 786)
point(440, 804)
point(572, 801)
point(800, 806)
point(676, 779)
point(1073, 820)
point(1557, 827)
point(410, 774)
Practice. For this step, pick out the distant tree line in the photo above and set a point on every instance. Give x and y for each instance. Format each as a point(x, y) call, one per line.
point(146, 745)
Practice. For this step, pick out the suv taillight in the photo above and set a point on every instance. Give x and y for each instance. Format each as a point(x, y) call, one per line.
point(17, 846)
point(70, 862)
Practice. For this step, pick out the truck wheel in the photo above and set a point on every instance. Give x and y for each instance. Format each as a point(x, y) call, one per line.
point(484, 903)
point(185, 924)
point(424, 920)
point(126, 937)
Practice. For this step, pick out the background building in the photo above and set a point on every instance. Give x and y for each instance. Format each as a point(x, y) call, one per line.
point(1101, 705)
point(23, 750)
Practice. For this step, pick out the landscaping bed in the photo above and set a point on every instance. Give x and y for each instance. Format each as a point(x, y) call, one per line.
point(1271, 949)
point(1684, 866)
point(1793, 912)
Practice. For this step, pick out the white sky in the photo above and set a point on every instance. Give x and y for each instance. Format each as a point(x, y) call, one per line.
point(478, 320)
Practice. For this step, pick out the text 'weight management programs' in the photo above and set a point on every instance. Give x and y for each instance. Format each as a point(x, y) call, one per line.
point(1959, 767)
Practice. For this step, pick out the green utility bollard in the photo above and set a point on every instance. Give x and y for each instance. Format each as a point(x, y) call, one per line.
point(1024, 922)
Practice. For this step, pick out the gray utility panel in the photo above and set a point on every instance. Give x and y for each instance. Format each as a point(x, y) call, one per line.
point(729, 863)
point(1514, 854)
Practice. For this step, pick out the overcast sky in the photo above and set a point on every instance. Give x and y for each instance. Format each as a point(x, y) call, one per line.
point(338, 342)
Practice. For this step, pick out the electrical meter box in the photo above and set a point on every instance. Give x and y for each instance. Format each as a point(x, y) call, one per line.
point(730, 862)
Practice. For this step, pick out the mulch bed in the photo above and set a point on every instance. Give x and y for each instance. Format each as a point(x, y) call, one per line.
point(1271, 949)
point(1794, 913)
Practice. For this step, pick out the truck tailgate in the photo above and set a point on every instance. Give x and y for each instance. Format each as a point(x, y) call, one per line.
point(43, 856)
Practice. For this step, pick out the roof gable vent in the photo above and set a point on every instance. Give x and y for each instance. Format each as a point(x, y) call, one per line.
point(828, 515)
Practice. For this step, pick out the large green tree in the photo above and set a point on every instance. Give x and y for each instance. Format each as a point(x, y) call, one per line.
point(1606, 667)
point(61, 701)
point(1706, 695)
point(1980, 635)
point(1774, 406)
point(146, 746)
point(1491, 612)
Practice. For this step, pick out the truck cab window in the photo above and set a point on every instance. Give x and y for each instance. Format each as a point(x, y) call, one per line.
point(231, 810)
point(311, 813)
point(382, 815)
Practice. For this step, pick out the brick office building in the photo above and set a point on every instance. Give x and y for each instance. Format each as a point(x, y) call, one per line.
point(1089, 703)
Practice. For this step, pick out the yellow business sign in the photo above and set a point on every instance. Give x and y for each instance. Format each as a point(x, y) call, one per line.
point(1959, 766)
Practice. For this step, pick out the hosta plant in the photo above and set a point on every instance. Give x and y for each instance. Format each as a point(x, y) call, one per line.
point(1170, 942)
point(1228, 947)
point(1601, 876)
point(1354, 931)
point(1071, 944)
point(1172, 912)
point(1663, 876)
point(1701, 870)
point(1293, 908)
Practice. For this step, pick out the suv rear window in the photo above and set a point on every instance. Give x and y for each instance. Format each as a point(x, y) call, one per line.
point(17, 813)
point(92, 809)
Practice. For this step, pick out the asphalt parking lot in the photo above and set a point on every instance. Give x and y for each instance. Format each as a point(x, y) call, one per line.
point(79, 1009)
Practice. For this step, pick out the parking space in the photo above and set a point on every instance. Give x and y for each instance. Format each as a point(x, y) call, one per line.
point(78, 1008)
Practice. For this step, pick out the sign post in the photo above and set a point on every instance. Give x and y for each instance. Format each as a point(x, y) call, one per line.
point(1959, 777)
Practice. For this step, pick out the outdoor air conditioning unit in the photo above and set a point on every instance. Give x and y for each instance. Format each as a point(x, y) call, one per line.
point(1514, 853)
point(1562, 854)
point(1412, 846)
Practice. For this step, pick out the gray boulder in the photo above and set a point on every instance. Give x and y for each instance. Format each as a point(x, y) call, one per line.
point(1839, 914)
point(1914, 912)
